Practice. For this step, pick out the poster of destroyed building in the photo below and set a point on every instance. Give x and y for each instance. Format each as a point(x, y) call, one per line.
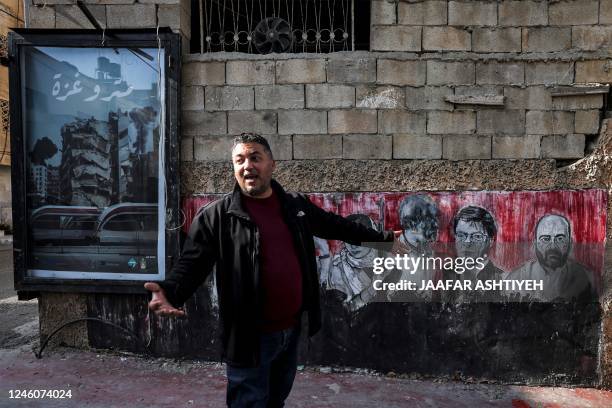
point(93, 133)
point(557, 237)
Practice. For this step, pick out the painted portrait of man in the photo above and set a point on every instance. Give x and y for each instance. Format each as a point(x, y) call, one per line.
point(563, 278)
point(475, 231)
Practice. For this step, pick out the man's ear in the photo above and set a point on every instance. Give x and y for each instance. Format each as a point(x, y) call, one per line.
point(273, 164)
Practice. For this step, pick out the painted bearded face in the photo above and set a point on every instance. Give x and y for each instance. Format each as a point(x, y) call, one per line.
point(553, 241)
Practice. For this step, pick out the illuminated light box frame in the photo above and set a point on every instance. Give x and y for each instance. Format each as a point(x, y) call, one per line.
point(95, 176)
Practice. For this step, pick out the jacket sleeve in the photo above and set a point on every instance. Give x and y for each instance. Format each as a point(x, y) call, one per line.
point(327, 225)
point(195, 263)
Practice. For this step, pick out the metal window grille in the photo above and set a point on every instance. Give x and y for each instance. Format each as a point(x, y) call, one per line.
point(4, 114)
point(267, 26)
point(3, 49)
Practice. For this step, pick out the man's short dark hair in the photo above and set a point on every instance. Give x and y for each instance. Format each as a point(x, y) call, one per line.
point(473, 213)
point(253, 138)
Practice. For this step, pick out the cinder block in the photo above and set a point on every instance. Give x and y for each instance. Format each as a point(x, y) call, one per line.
point(446, 39)
point(479, 90)
point(131, 16)
point(516, 147)
point(175, 17)
point(356, 70)
point(549, 73)
point(279, 97)
point(546, 39)
point(450, 73)
point(563, 146)
point(496, 40)
point(73, 17)
point(204, 123)
point(510, 73)
point(575, 102)
point(317, 147)
point(229, 98)
point(501, 122)
point(523, 13)
point(382, 12)
point(466, 147)
point(212, 148)
point(472, 13)
point(49, 2)
point(352, 121)
point(531, 97)
point(417, 146)
point(459, 122)
point(396, 72)
point(594, 71)
point(573, 12)
point(380, 97)
point(428, 98)
point(300, 71)
point(587, 121)
point(330, 96)
point(364, 147)
point(395, 38)
point(192, 98)
point(281, 146)
point(186, 149)
point(262, 122)
point(250, 72)
point(303, 122)
point(592, 38)
point(399, 121)
point(549, 122)
point(422, 13)
point(42, 17)
point(605, 12)
point(203, 73)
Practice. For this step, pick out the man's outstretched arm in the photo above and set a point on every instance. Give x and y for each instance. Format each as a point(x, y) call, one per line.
point(195, 263)
point(327, 225)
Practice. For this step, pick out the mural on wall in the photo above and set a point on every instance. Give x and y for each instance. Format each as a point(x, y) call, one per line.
point(556, 237)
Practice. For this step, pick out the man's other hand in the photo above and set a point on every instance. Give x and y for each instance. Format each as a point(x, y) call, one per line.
point(159, 303)
point(398, 246)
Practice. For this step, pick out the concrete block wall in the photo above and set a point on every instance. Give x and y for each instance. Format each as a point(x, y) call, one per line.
point(393, 106)
point(175, 14)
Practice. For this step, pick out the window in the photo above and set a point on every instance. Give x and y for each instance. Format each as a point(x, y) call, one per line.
point(278, 26)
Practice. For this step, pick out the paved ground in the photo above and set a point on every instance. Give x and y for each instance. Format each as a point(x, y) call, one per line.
point(110, 379)
point(107, 379)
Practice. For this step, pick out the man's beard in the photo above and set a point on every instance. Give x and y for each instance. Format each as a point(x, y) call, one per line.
point(255, 191)
point(552, 258)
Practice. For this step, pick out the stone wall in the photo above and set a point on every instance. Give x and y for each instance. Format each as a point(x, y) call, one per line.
point(400, 106)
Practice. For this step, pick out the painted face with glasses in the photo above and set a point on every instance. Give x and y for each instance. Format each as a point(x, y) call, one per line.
point(552, 241)
point(471, 239)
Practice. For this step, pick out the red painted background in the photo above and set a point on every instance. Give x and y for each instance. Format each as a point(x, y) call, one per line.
point(516, 215)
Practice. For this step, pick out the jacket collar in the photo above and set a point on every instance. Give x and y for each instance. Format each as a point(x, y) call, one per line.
point(236, 207)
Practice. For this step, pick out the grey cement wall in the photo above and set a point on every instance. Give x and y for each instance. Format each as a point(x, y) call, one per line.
point(454, 95)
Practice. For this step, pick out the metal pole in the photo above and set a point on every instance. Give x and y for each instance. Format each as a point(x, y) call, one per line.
point(352, 25)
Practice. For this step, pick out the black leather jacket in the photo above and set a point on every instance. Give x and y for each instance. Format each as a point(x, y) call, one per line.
point(222, 234)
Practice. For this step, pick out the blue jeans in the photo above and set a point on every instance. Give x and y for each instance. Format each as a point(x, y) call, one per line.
point(269, 384)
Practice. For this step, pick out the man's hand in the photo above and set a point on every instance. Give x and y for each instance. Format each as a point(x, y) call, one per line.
point(398, 246)
point(159, 304)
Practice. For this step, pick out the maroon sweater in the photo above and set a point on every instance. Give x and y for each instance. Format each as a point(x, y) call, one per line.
point(280, 274)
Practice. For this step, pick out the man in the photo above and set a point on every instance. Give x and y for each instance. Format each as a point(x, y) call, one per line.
point(475, 231)
point(418, 217)
point(563, 279)
point(261, 240)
